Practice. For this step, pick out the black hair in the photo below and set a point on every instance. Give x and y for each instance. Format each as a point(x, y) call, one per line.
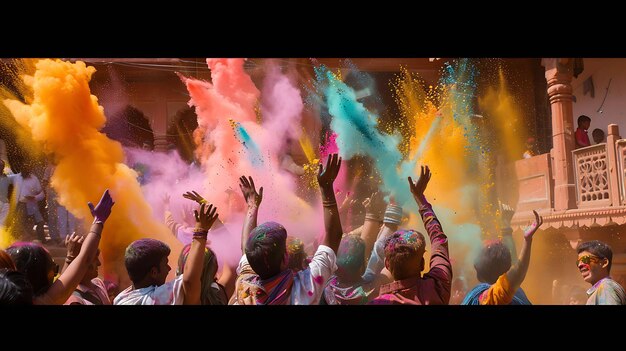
point(35, 262)
point(266, 248)
point(143, 254)
point(493, 261)
point(597, 248)
point(15, 289)
point(582, 119)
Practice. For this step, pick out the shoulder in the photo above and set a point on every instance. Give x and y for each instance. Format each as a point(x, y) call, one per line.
point(611, 284)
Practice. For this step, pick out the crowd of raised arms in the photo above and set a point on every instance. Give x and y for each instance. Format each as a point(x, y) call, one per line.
point(378, 263)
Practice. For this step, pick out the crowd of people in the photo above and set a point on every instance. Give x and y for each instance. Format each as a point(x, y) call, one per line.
point(379, 263)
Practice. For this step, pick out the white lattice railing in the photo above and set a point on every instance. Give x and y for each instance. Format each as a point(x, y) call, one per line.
point(592, 176)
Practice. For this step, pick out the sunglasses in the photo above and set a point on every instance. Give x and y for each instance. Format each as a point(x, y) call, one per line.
point(588, 259)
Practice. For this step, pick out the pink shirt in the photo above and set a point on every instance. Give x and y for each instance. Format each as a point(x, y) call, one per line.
point(582, 139)
point(435, 286)
point(100, 291)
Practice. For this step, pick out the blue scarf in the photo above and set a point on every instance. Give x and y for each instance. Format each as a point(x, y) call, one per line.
point(472, 296)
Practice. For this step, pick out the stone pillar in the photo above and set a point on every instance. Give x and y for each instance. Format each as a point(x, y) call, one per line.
point(159, 121)
point(559, 78)
point(613, 163)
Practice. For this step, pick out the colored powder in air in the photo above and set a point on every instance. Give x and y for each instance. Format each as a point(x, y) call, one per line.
point(66, 118)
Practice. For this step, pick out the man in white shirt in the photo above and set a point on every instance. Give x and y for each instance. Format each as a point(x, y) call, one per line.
point(263, 274)
point(29, 193)
point(5, 182)
point(146, 261)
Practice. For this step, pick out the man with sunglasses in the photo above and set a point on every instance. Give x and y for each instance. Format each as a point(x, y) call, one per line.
point(594, 263)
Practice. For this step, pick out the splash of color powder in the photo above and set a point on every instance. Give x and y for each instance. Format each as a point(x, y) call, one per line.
point(66, 118)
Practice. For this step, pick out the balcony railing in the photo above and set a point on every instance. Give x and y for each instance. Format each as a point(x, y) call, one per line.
point(591, 172)
point(599, 173)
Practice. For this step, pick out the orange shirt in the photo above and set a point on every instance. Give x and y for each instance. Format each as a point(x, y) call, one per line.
point(500, 293)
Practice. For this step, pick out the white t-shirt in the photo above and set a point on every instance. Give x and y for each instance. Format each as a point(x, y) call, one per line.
point(308, 284)
point(170, 293)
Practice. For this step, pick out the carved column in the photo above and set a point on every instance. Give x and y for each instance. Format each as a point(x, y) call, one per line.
point(559, 78)
point(615, 172)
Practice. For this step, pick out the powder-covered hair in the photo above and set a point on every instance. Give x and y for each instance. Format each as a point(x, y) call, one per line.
point(266, 248)
point(351, 255)
point(400, 247)
point(493, 260)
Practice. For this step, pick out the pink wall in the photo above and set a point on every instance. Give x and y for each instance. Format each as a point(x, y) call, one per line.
point(614, 108)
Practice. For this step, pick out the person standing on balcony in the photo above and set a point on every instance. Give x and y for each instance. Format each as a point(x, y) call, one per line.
point(594, 263)
point(531, 149)
point(582, 139)
point(598, 136)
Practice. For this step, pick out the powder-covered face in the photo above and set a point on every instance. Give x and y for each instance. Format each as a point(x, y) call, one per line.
point(591, 267)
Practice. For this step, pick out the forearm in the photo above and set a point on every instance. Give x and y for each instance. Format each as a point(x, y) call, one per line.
point(249, 223)
point(376, 261)
point(171, 223)
point(369, 233)
point(63, 287)
point(68, 259)
point(517, 273)
point(193, 272)
point(440, 264)
point(332, 221)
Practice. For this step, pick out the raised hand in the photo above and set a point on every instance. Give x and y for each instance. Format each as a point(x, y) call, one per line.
point(531, 229)
point(418, 188)
point(375, 203)
point(102, 210)
point(194, 196)
point(506, 214)
point(326, 176)
point(347, 203)
point(73, 243)
point(205, 219)
point(249, 191)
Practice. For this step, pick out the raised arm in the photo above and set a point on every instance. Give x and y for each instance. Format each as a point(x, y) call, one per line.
point(346, 205)
point(376, 263)
point(253, 200)
point(194, 196)
point(332, 222)
point(374, 210)
point(63, 287)
point(440, 266)
point(506, 214)
point(517, 273)
point(73, 244)
point(195, 262)
point(169, 219)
